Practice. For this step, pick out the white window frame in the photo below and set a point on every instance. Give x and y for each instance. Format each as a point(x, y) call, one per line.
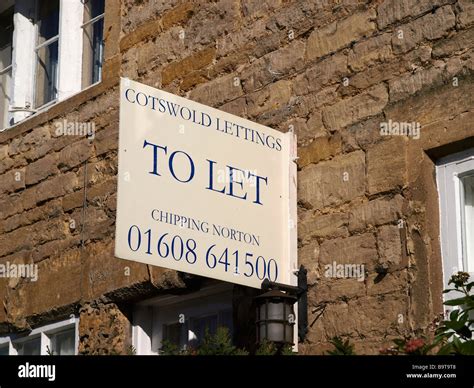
point(70, 50)
point(45, 333)
point(4, 121)
point(166, 309)
point(449, 172)
point(83, 26)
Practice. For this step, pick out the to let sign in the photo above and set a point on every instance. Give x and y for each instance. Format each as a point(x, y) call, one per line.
point(203, 191)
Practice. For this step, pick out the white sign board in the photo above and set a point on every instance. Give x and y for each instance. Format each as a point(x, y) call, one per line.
point(203, 191)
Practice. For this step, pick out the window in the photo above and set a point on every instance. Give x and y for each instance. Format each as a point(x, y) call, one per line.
point(467, 211)
point(29, 347)
point(93, 42)
point(455, 175)
point(49, 51)
point(58, 339)
point(192, 330)
point(181, 320)
point(47, 26)
point(6, 38)
point(4, 350)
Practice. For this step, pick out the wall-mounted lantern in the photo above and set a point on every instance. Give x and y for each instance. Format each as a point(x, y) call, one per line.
point(275, 311)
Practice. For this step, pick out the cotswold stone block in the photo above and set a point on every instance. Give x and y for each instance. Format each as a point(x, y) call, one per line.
point(376, 212)
point(339, 34)
point(218, 91)
point(392, 282)
point(359, 249)
point(97, 319)
point(389, 245)
point(330, 290)
point(13, 180)
point(353, 109)
point(391, 69)
point(10, 205)
point(271, 67)
point(462, 41)
point(33, 139)
point(58, 284)
point(434, 112)
point(391, 11)
point(333, 182)
point(3, 152)
point(312, 103)
point(271, 98)
point(377, 49)
point(51, 188)
point(430, 27)
point(177, 15)
point(328, 225)
point(187, 65)
point(409, 84)
point(75, 153)
point(319, 149)
point(134, 16)
point(32, 235)
point(465, 12)
point(213, 19)
point(253, 9)
point(362, 134)
point(330, 70)
point(376, 314)
point(49, 210)
point(315, 125)
point(308, 256)
point(386, 171)
point(41, 169)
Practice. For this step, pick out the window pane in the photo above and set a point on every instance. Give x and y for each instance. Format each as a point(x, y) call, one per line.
point(226, 320)
point(5, 98)
point(93, 8)
point(176, 333)
point(6, 34)
point(93, 53)
point(46, 74)
point(468, 214)
point(62, 344)
point(29, 348)
point(47, 19)
point(199, 327)
point(4, 350)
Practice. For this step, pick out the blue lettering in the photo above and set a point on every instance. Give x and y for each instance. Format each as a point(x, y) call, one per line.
point(126, 95)
point(155, 156)
point(162, 107)
point(232, 181)
point(211, 178)
point(172, 108)
point(145, 96)
point(191, 164)
point(257, 184)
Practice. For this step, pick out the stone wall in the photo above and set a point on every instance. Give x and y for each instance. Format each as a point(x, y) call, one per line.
point(330, 70)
